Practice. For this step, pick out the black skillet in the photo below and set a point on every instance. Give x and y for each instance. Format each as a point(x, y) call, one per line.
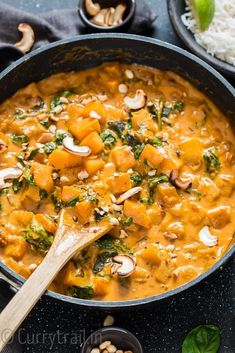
point(88, 51)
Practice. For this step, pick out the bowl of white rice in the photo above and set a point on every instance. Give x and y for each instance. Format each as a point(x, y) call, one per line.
point(216, 44)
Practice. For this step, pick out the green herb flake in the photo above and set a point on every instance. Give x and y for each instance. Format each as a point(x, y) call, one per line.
point(202, 339)
point(28, 176)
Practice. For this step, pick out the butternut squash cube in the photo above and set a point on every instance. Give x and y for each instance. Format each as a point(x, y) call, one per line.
point(123, 158)
point(138, 212)
point(71, 277)
point(164, 272)
point(61, 159)
point(92, 165)
point(94, 141)
point(140, 274)
point(21, 217)
point(43, 176)
point(74, 112)
point(170, 162)
point(97, 107)
point(119, 183)
point(219, 216)
point(69, 193)
point(84, 211)
point(16, 248)
point(82, 128)
point(192, 150)
point(151, 255)
point(167, 194)
point(46, 222)
point(101, 286)
point(114, 113)
point(153, 155)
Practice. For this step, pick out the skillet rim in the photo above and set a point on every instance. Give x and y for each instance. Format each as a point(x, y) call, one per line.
point(112, 305)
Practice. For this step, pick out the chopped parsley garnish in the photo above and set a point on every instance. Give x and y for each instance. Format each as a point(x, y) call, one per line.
point(56, 100)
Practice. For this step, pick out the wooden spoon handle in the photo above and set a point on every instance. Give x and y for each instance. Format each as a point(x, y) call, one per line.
point(25, 299)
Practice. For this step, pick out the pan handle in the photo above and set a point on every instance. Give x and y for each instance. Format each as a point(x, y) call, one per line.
point(14, 286)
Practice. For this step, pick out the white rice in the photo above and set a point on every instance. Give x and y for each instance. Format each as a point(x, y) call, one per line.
point(219, 38)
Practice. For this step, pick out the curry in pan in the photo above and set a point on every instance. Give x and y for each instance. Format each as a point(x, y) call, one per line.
point(139, 145)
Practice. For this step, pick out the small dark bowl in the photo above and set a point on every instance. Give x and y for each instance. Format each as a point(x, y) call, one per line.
point(121, 338)
point(176, 8)
point(128, 15)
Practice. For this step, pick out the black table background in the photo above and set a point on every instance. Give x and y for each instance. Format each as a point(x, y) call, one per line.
point(55, 327)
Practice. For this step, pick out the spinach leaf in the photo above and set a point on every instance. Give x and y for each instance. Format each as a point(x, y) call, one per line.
point(28, 176)
point(46, 123)
point(136, 145)
point(147, 200)
point(178, 106)
point(38, 238)
point(72, 202)
point(108, 137)
point(59, 138)
point(108, 248)
point(99, 214)
point(85, 292)
point(56, 100)
point(127, 222)
point(16, 185)
point(157, 114)
point(212, 160)
point(118, 127)
point(56, 201)
point(33, 153)
point(43, 194)
point(154, 181)
point(102, 259)
point(136, 179)
point(19, 139)
point(202, 339)
point(49, 147)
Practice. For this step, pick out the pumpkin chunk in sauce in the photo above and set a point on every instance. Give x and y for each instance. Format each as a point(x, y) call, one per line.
point(161, 163)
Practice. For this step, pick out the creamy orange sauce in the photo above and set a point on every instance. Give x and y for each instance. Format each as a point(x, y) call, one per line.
point(176, 146)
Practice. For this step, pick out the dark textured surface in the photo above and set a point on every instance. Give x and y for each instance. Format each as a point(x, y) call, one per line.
point(53, 327)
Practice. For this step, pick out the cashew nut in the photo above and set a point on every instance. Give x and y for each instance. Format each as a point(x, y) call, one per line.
point(92, 8)
point(117, 17)
point(177, 182)
point(123, 265)
point(27, 40)
point(69, 146)
point(9, 173)
point(137, 102)
point(206, 237)
point(99, 19)
point(128, 194)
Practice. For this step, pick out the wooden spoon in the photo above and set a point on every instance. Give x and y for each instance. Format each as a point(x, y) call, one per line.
point(69, 239)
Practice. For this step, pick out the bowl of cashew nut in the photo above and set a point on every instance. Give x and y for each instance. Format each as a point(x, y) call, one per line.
point(107, 15)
